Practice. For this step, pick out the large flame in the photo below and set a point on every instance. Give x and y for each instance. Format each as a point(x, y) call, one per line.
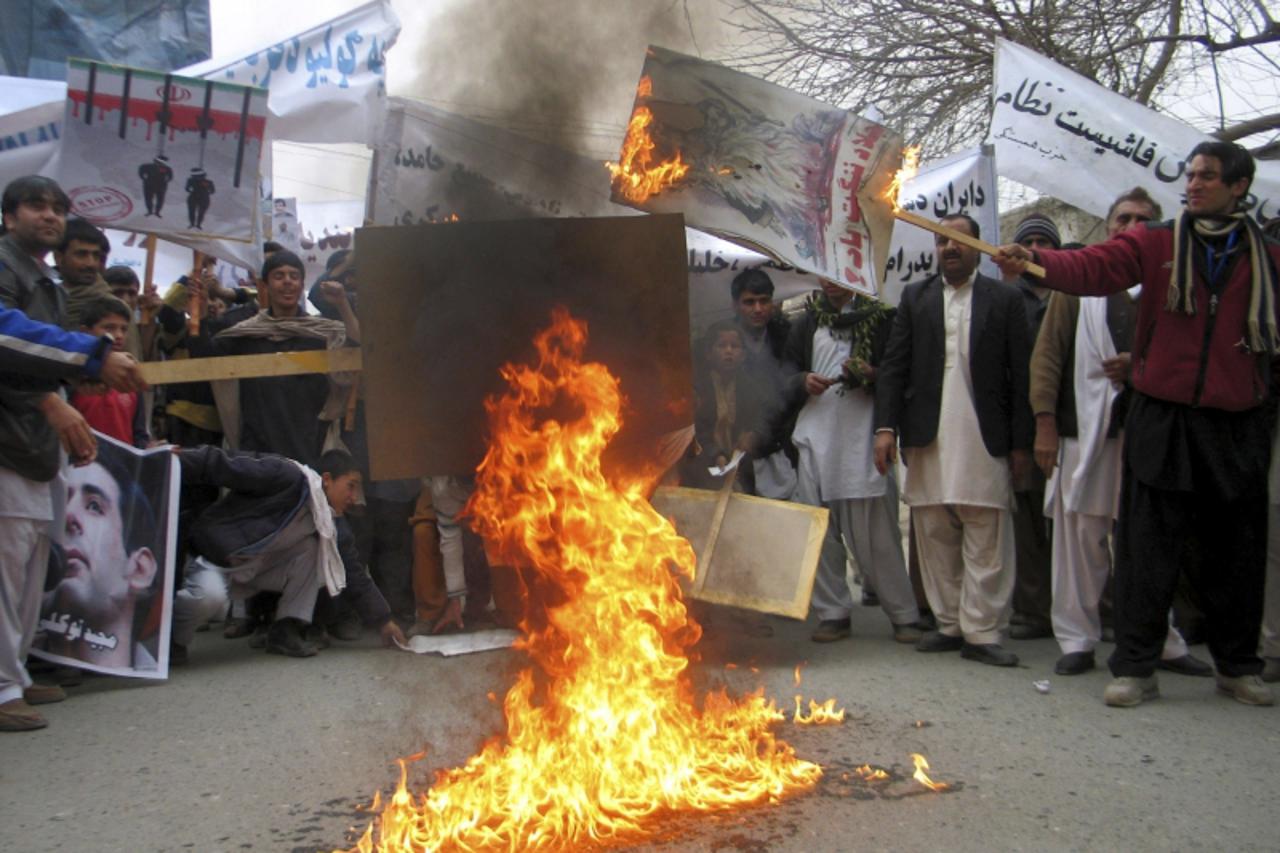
point(604, 734)
point(636, 177)
point(910, 168)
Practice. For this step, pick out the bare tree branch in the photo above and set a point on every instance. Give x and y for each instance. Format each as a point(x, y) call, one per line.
point(926, 65)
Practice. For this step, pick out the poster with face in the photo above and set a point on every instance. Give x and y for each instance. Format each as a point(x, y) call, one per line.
point(108, 597)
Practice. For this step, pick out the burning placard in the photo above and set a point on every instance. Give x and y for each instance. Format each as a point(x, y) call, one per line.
point(761, 166)
point(152, 152)
point(110, 595)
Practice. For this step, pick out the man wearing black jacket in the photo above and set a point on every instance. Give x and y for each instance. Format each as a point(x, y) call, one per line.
point(952, 388)
point(280, 527)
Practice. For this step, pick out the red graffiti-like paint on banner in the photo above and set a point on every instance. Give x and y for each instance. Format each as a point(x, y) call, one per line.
point(182, 117)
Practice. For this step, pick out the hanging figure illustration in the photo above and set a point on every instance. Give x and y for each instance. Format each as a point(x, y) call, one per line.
point(199, 190)
point(155, 176)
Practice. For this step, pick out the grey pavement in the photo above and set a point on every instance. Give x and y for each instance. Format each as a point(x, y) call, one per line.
point(245, 751)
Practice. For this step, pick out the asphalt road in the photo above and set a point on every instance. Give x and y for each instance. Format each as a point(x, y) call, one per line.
point(245, 751)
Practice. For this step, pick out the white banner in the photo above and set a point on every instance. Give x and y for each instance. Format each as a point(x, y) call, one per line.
point(327, 84)
point(434, 165)
point(152, 152)
point(766, 167)
point(962, 183)
point(1069, 137)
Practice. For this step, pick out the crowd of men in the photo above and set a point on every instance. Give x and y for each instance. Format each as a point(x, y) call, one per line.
point(1081, 453)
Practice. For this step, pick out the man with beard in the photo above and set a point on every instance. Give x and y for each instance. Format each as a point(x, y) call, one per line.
point(1197, 438)
point(81, 258)
point(952, 387)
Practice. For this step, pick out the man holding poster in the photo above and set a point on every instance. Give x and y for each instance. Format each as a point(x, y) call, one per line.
point(1194, 490)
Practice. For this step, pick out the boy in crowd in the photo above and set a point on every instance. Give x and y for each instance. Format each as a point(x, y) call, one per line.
point(118, 414)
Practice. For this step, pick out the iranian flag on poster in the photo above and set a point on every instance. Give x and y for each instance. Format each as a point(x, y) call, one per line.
point(158, 153)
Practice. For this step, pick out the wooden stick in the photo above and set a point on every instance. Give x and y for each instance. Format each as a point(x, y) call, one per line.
point(960, 237)
point(195, 306)
point(149, 271)
point(713, 535)
point(252, 366)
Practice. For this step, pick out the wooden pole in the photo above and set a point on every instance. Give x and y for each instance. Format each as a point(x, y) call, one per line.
point(960, 237)
point(149, 271)
point(195, 305)
point(344, 359)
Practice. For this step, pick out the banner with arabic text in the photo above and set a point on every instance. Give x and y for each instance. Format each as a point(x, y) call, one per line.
point(1065, 135)
point(434, 166)
point(327, 84)
point(158, 153)
point(961, 183)
point(109, 602)
point(769, 168)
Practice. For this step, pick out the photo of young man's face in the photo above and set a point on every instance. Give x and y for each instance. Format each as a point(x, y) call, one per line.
point(101, 576)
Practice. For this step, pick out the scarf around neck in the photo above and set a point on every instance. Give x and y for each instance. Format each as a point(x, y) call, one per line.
point(1191, 232)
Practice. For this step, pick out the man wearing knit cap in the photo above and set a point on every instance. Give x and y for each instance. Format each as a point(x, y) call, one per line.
point(1194, 486)
point(1032, 592)
point(1079, 394)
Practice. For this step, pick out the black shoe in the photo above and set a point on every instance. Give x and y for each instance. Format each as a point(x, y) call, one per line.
point(1030, 631)
point(316, 636)
point(287, 637)
point(936, 641)
point(927, 622)
point(991, 654)
point(830, 630)
point(1074, 663)
point(1186, 665)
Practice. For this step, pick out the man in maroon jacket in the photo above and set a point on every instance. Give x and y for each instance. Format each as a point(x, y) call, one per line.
point(1197, 447)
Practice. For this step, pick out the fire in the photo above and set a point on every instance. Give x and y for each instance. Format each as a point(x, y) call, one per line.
point(636, 177)
point(604, 733)
point(910, 167)
point(826, 714)
point(922, 777)
point(871, 774)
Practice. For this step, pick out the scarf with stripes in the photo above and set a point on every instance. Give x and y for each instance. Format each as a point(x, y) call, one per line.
point(1260, 323)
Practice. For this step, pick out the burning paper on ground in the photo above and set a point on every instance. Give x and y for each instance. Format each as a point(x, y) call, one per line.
point(605, 734)
point(153, 152)
point(450, 645)
point(761, 166)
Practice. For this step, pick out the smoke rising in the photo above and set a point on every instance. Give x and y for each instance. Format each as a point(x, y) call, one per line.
point(561, 71)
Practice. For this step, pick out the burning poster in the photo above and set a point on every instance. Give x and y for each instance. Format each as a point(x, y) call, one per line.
point(152, 152)
point(761, 166)
point(109, 595)
point(963, 183)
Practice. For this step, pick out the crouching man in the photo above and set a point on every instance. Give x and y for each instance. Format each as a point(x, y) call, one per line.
point(280, 528)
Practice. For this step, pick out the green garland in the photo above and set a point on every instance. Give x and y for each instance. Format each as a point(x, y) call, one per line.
point(857, 326)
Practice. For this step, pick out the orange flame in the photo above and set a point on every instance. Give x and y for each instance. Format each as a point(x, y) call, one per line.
point(636, 177)
point(871, 774)
point(826, 714)
point(922, 777)
point(603, 734)
point(910, 168)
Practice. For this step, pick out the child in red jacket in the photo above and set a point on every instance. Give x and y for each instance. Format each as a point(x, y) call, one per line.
point(119, 415)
